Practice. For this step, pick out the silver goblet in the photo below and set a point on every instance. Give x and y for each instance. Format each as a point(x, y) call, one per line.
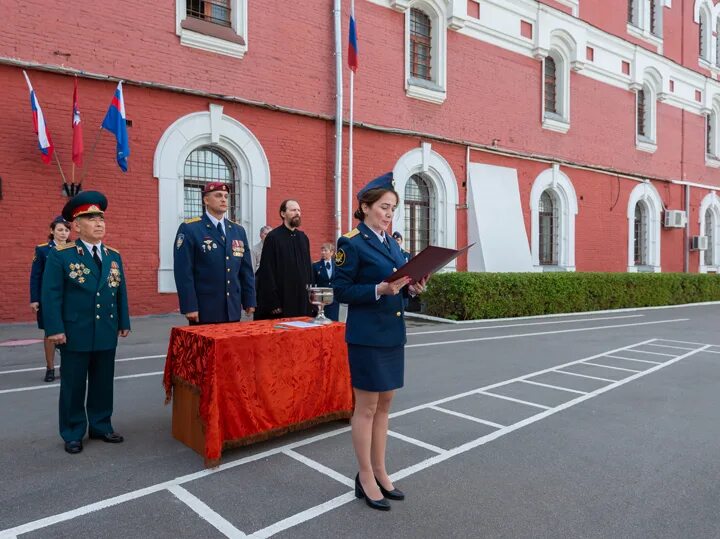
point(321, 296)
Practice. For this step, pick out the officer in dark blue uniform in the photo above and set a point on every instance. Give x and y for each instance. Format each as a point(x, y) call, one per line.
point(213, 268)
point(85, 309)
point(399, 239)
point(375, 332)
point(59, 232)
point(323, 274)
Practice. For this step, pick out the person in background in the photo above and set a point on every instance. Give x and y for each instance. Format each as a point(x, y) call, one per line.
point(375, 332)
point(59, 233)
point(323, 274)
point(256, 251)
point(399, 239)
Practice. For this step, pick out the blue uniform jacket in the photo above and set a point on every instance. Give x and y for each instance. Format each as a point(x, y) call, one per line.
point(320, 278)
point(212, 276)
point(362, 262)
point(36, 272)
point(88, 305)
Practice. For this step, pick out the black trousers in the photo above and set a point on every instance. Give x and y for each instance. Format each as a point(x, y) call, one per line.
point(84, 373)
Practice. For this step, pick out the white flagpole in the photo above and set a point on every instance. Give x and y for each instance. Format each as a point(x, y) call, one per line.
point(350, 135)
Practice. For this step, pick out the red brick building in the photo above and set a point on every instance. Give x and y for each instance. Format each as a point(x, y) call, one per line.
point(560, 135)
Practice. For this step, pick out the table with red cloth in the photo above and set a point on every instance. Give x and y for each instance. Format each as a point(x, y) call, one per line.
point(244, 382)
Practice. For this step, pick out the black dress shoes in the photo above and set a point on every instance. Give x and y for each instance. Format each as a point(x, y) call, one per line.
point(381, 505)
point(49, 375)
point(108, 437)
point(394, 494)
point(73, 447)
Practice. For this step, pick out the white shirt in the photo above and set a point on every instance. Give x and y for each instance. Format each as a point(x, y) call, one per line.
point(90, 248)
point(216, 221)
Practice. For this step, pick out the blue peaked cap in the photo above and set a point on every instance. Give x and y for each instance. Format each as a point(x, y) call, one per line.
point(386, 181)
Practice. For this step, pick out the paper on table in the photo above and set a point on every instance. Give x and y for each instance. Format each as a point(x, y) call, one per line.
point(428, 261)
point(297, 324)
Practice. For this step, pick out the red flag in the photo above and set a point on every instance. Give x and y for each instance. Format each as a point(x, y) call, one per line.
point(77, 141)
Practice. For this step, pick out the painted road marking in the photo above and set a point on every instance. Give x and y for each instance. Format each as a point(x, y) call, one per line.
point(638, 360)
point(586, 376)
point(554, 387)
point(58, 365)
point(206, 513)
point(611, 367)
point(415, 441)
point(504, 397)
point(468, 417)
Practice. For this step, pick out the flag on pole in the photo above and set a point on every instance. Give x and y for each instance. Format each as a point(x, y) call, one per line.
point(353, 46)
point(41, 130)
point(115, 123)
point(77, 140)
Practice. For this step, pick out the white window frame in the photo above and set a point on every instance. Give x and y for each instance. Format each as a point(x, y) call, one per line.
point(435, 90)
point(197, 40)
point(710, 202)
point(211, 128)
point(645, 192)
point(556, 181)
point(558, 121)
point(652, 85)
point(706, 14)
point(642, 28)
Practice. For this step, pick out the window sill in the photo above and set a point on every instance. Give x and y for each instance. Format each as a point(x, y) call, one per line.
point(548, 268)
point(425, 91)
point(646, 145)
point(643, 269)
point(712, 161)
point(557, 124)
point(211, 37)
point(646, 36)
point(709, 269)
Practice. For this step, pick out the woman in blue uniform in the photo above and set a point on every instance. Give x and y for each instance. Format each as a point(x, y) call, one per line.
point(375, 332)
point(59, 232)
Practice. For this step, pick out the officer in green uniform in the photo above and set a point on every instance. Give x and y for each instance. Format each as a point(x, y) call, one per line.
point(85, 309)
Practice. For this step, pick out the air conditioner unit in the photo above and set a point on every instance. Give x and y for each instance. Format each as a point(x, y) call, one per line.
point(675, 219)
point(698, 243)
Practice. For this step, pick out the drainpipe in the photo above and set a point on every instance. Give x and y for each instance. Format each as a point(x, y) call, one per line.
point(338, 117)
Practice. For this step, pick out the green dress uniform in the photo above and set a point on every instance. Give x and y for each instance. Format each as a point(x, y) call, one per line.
point(88, 303)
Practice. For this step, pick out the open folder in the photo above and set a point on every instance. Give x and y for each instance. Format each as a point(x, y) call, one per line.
point(426, 262)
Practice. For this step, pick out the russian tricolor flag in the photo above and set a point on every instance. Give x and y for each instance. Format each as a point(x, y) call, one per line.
point(353, 46)
point(41, 130)
point(115, 123)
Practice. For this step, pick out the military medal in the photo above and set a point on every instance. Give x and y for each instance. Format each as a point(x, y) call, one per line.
point(238, 248)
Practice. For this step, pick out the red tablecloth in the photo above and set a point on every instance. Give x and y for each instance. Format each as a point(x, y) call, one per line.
point(254, 378)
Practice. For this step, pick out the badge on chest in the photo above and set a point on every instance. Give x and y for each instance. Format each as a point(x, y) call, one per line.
point(208, 245)
point(238, 248)
point(78, 272)
point(114, 275)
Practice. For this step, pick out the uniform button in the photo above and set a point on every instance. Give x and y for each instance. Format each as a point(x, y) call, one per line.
point(398, 313)
point(227, 293)
point(111, 316)
point(228, 282)
point(98, 305)
point(227, 258)
point(228, 270)
point(394, 269)
point(98, 294)
point(98, 317)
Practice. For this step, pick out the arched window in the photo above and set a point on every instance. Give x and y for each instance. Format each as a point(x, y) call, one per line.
point(641, 244)
point(203, 165)
point(419, 213)
point(646, 113)
point(420, 45)
point(709, 135)
point(710, 224)
point(641, 113)
point(548, 224)
point(704, 35)
point(550, 86)
point(633, 13)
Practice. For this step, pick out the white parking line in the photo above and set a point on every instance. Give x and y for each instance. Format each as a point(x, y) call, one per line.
point(468, 417)
point(554, 387)
point(668, 346)
point(687, 342)
point(586, 376)
point(47, 386)
point(527, 324)
point(207, 514)
point(414, 441)
point(58, 365)
point(633, 359)
point(315, 465)
point(610, 367)
point(652, 353)
point(504, 397)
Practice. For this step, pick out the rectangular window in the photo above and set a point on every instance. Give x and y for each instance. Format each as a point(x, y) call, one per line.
point(420, 45)
point(550, 86)
point(709, 253)
point(641, 130)
point(215, 11)
point(709, 135)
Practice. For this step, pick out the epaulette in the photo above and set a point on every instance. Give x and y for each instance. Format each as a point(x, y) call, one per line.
point(66, 246)
point(113, 250)
point(42, 245)
point(354, 232)
point(193, 220)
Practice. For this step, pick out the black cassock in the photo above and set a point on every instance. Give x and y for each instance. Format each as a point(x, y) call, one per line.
point(284, 273)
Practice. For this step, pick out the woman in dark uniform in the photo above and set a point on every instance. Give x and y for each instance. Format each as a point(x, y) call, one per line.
point(59, 232)
point(375, 332)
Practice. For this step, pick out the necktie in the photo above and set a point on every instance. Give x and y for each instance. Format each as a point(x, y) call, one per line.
point(220, 229)
point(96, 257)
point(385, 242)
point(327, 265)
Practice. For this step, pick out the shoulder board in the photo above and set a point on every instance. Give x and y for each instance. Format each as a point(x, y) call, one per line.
point(113, 250)
point(354, 232)
point(66, 246)
point(42, 245)
point(193, 220)
point(234, 222)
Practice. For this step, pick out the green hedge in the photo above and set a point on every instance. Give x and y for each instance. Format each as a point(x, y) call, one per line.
point(470, 296)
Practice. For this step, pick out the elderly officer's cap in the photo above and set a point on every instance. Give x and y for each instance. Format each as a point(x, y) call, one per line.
point(59, 220)
point(216, 186)
point(386, 181)
point(85, 203)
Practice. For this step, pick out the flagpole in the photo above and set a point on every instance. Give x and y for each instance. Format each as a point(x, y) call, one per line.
point(62, 174)
point(90, 157)
point(350, 151)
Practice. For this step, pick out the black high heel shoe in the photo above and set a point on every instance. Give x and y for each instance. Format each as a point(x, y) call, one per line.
point(394, 494)
point(381, 505)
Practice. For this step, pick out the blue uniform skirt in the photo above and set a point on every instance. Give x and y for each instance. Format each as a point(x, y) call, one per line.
point(375, 368)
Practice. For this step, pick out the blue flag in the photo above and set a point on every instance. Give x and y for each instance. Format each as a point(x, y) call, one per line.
point(115, 123)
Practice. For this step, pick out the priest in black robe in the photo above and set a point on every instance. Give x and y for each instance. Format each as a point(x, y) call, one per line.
point(285, 269)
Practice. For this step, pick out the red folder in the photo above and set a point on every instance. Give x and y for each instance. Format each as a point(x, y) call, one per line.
point(428, 261)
